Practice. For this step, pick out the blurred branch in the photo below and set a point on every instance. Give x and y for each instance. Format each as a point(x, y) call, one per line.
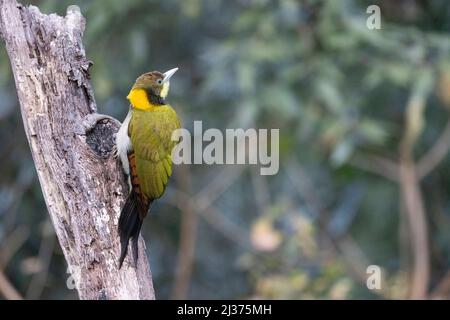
point(354, 258)
point(436, 154)
point(188, 235)
point(7, 289)
point(411, 193)
point(12, 243)
point(202, 203)
point(213, 190)
point(232, 231)
point(418, 231)
point(39, 279)
point(405, 253)
point(22, 184)
point(212, 215)
point(442, 289)
point(377, 165)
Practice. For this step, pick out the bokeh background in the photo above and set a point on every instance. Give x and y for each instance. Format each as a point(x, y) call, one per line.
point(364, 137)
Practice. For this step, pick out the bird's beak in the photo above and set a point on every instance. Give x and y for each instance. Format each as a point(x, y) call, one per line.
point(169, 74)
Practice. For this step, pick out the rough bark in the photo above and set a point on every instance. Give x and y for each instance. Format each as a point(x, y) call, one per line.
point(72, 147)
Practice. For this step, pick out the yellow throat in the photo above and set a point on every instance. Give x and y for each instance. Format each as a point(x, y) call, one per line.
point(139, 99)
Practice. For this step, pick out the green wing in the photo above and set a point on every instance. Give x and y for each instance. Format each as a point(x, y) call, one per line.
point(151, 133)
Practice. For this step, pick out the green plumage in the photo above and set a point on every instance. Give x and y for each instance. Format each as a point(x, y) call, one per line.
point(151, 132)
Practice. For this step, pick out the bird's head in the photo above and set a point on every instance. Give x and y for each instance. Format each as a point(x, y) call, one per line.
point(150, 89)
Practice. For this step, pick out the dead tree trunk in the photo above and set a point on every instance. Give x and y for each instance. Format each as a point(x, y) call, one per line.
point(72, 147)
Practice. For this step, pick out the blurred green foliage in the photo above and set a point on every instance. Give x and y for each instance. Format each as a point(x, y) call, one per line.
point(338, 92)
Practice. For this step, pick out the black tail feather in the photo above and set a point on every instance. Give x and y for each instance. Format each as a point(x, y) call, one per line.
point(135, 249)
point(129, 227)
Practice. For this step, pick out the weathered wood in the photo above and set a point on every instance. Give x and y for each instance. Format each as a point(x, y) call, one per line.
point(72, 148)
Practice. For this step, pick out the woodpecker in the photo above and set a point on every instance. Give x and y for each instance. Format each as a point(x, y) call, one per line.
point(144, 146)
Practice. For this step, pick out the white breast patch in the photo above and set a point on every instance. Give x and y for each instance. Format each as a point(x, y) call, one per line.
point(124, 145)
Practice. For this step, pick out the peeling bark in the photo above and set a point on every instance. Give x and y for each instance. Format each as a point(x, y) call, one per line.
point(72, 148)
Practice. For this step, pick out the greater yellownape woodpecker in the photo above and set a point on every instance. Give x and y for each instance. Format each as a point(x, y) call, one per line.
point(144, 145)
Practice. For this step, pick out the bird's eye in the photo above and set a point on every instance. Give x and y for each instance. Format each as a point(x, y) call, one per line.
point(159, 81)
